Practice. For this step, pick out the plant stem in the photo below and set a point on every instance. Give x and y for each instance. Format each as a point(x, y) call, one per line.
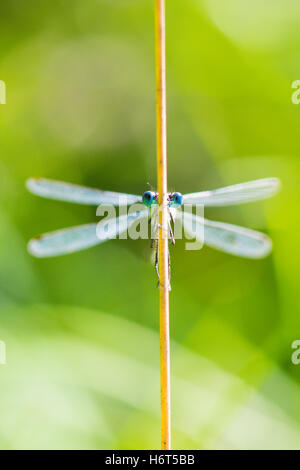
point(161, 130)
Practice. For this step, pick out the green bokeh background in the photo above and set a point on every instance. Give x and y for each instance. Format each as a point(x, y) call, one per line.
point(81, 331)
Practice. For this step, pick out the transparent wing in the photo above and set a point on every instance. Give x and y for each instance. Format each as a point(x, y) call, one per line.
point(232, 239)
point(78, 238)
point(64, 241)
point(236, 194)
point(79, 194)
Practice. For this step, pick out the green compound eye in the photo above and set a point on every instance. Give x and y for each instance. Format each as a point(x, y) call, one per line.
point(148, 198)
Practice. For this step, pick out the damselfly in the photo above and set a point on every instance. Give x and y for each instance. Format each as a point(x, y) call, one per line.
point(229, 238)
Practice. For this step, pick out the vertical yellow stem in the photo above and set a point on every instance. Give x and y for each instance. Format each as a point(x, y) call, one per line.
point(161, 130)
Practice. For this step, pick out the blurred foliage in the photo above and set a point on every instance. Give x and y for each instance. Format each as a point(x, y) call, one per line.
point(82, 331)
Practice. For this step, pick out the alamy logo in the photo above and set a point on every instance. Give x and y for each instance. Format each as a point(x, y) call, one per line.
point(2, 353)
point(2, 92)
point(139, 222)
point(295, 358)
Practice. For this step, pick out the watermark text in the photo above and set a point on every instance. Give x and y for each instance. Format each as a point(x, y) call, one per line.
point(2, 353)
point(139, 222)
point(2, 92)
